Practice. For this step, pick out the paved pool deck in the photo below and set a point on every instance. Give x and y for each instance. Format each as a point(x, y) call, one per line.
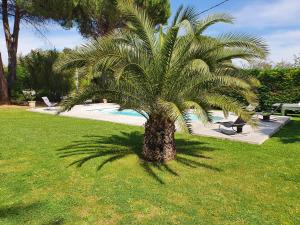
point(251, 135)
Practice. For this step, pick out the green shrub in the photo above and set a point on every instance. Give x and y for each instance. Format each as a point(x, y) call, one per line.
point(278, 85)
point(20, 85)
point(35, 71)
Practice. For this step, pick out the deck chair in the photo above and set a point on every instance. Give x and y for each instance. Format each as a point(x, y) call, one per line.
point(237, 126)
point(48, 103)
point(275, 108)
point(266, 115)
point(89, 101)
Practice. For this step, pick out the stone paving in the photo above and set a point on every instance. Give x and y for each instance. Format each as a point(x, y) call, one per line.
point(257, 135)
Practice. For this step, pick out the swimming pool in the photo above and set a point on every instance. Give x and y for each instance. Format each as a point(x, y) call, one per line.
point(132, 113)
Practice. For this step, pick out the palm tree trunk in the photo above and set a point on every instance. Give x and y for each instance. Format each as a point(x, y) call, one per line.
point(159, 142)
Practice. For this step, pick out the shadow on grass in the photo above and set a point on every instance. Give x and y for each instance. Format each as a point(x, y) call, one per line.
point(291, 132)
point(56, 221)
point(21, 210)
point(117, 147)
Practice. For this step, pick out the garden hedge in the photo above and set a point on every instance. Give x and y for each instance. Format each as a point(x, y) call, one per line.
point(278, 85)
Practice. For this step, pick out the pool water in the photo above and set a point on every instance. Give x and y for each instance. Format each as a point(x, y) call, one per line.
point(129, 112)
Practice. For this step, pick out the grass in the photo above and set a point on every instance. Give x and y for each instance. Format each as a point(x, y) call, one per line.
point(211, 182)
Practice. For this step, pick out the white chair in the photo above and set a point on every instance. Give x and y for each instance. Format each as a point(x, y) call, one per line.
point(48, 103)
point(89, 101)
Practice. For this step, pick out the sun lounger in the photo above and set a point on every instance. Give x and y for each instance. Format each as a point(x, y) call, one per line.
point(89, 101)
point(236, 126)
point(48, 103)
point(285, 107)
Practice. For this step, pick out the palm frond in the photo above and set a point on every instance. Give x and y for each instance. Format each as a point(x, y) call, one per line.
point(229, 81)
point(203, 24)
point(244, 41)
point(189, 13)
point(139, 24)
point(229, 105)
point(199, 111)
point(167, 48)
point(174, 113)
point(177, 15)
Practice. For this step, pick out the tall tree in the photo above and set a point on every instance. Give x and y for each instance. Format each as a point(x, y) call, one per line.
point(13, 12)
point(94, 18)
point(164, 76)
point(11, 9)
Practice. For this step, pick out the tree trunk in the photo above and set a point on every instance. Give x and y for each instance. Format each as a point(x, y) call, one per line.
point(11, 69)
point(12, 40)
point(159, 142)
point(4, 98)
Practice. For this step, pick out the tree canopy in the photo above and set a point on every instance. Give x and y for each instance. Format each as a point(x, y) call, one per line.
point(94, 18)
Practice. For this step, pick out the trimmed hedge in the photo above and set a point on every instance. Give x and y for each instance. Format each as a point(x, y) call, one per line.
point(279, 85)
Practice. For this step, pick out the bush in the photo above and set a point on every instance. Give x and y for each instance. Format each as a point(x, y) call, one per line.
point(36, 73)
point(278, 85)
point(20, 85)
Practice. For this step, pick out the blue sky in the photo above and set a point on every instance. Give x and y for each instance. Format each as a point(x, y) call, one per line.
point(277, 21)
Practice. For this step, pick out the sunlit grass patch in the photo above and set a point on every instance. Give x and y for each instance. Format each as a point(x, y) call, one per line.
point(211, 181)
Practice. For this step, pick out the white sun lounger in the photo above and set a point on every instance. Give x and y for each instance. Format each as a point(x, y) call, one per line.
point(284, 107)
point(48, 103)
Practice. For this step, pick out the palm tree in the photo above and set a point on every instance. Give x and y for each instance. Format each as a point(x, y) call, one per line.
point(165, 74)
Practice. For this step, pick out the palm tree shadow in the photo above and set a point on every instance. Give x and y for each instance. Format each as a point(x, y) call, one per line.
point(117, 147)
point(16, 210)
point(21, 209)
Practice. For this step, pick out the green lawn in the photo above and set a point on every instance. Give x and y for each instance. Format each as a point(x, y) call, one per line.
point(211, 182)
